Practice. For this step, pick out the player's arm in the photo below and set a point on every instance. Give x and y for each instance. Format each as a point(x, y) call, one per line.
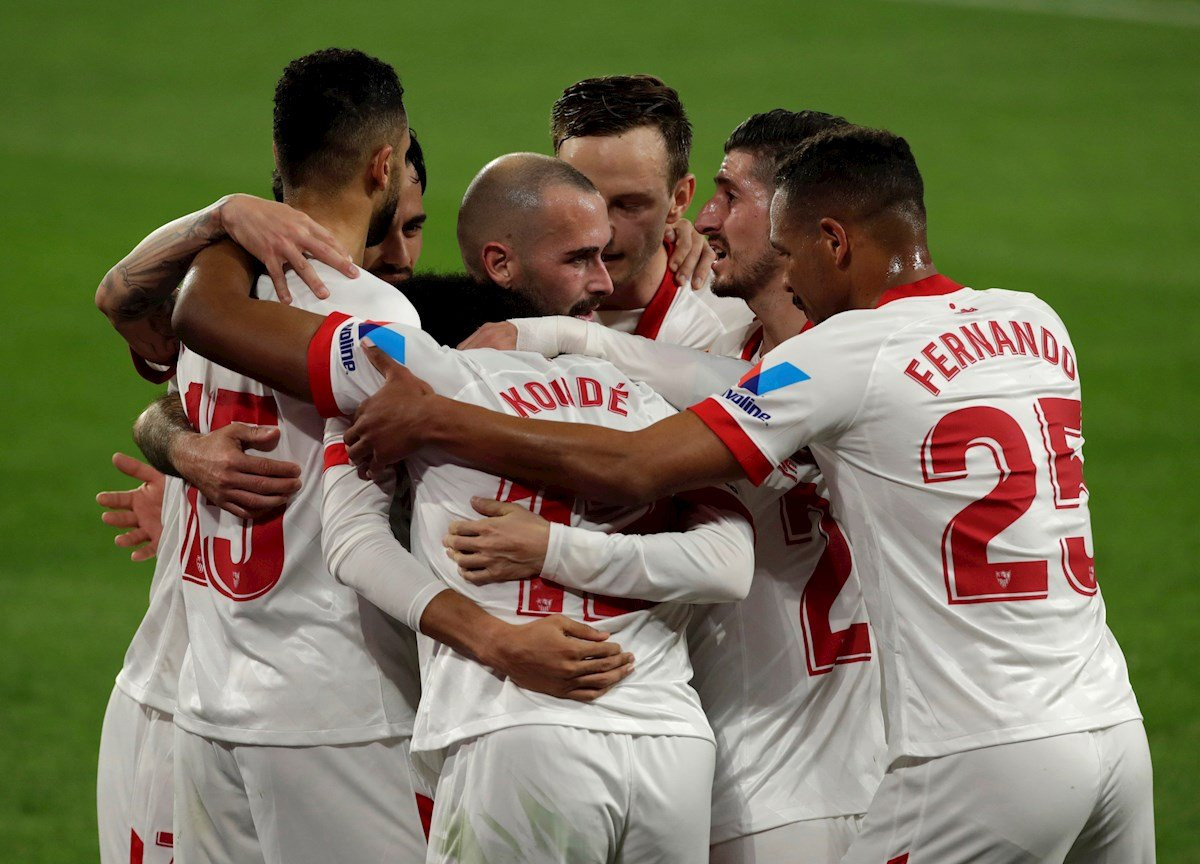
point(216, 317)
point(710, 561)
point(273, 233)
point(556, 655)
point(673, 455)
point(138, 511)
point(246, 485)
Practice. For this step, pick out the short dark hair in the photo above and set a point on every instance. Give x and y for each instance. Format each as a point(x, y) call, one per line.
point(416, 158)
point(453, 306)
point(332, 108)
point(615, 104)
point(774, 135)
point(855, 171)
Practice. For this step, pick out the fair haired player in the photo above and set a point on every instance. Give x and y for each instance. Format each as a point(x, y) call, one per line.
point(786, 676)
point(630, 136)
point(290, 680)
point(640, 756)
point(946, 421)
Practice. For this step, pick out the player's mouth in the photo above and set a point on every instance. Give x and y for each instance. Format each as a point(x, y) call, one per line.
point(722, 253)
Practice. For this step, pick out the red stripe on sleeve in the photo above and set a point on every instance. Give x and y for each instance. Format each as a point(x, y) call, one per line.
point(335, 454)
point(720, 499)
point(756, 465)
point(319, 380)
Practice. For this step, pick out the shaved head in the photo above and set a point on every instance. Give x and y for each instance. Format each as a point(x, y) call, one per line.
point(505, 203)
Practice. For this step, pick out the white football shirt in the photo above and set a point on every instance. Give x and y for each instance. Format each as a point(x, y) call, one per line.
point(788, 676)
point(281, 653)
point(947, 425)
point(461, 698)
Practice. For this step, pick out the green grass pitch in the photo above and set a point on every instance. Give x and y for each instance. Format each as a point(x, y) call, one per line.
point(1059, 154)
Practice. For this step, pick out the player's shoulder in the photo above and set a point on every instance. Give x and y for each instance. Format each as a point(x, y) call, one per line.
point(363, 296)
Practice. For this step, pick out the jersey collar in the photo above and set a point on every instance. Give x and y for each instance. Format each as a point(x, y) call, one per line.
point(655, 312)
point(930, 286)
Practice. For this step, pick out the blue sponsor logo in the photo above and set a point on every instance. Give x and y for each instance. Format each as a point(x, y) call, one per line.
point(388, 341)
point(346, 349)
point(764, 381)
point(748, 405)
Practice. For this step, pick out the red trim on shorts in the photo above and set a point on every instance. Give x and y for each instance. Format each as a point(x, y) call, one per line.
point(756, 465)
point(656, 310)
point(319, 379)
point(721, 499)
point(930, 286)
point(899, 859)
point(164, 839)
point(425, 811)
point(154, 376)
point(335, 454)
point(137, 850)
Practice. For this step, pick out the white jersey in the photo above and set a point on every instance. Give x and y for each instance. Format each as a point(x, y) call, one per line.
point(947, 425)
point(788, 676)
point(150, 673)
point(460, 697)
point(281, 653)
point(675, 315)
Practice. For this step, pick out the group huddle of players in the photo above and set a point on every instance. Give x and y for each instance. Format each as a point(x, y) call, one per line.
point(799, 570)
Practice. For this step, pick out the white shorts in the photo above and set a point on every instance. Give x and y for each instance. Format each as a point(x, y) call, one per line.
point(241, 803)
point(1082, 797)
point(810, 841)
point(551, 794)
point(134, 794)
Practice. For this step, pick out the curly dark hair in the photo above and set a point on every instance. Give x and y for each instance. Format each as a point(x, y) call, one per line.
point(332, 108)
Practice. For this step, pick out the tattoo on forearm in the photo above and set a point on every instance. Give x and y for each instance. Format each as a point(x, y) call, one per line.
point(147, 276)
point(157, 427)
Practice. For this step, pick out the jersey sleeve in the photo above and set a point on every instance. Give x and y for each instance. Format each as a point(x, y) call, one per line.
point(342, 376)
point(808, 389)
point(360, 549)
point(710, 561)
point(683, 376)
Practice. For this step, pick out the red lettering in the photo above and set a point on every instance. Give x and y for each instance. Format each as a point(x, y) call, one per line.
point(1068, 363)
point(540, 395)
point(964, 357)
point(1002, 341)
point(978, 340)
point(515, 402)
point(924, 378)
point(590, 393)
point(1024, 334)
point(616, 401)
point(1049, 345)
point(939, 362)
point(562, 392)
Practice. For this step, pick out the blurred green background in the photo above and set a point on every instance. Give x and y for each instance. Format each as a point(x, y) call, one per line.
point(1060, 157)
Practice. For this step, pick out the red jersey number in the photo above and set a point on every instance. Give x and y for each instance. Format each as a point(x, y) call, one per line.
point(251, 566)
point(970, 576)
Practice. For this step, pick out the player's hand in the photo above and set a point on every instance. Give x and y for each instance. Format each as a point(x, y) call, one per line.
point(560, 657)
point(138, 510)
point(389, 424)
point(150, 336)
point(508, 545)
point(501, 335)
point(692, 259)
point(281, 237)
point(238, 482)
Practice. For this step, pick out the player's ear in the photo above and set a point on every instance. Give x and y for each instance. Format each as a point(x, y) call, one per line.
point(836, 241)
point(681, 198)
point(380, 168)
point(498, 263)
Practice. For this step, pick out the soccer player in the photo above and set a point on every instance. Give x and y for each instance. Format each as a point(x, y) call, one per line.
point(288, 676)
point(630, 136)
point(787, 675)
point(947, 422)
